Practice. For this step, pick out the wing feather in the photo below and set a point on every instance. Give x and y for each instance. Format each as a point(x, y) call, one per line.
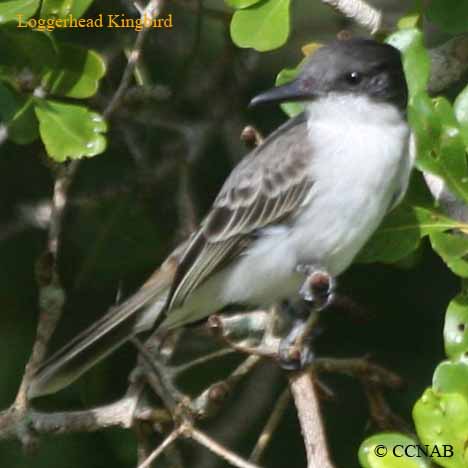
point(269, 185)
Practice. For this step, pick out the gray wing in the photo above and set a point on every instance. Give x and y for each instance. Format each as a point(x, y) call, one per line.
point(266, 187)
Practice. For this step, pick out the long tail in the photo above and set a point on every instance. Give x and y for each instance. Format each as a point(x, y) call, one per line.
point(141, 311)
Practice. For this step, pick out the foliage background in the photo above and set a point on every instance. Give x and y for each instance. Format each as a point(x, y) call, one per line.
point(168, 151)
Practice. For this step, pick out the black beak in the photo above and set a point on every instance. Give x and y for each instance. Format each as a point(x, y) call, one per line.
point(295, 90)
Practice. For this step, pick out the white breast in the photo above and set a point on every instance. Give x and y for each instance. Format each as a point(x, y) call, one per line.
point(360, 164)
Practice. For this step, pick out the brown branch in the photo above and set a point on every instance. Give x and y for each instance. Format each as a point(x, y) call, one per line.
point(359, 11)
point(310, 418)
point(218, 449)
point(181, 368)
point(159, 379)
point(152, 9)
point(210, 400)
point(186, 429)
point(51, 300)
point(302, 389)
point(51, 293)
point(117, 414)
point(360, 368)
point(380, 411)
point(374, 379)
point(160, 449)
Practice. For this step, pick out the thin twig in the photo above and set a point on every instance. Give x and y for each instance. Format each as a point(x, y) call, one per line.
point(218, 449)
point(380, 411)
point(181, 368)
point(153, 8)
point(361, 368)
point(209, 400)
point(160, 449)
point(271, 426)
point(158, 379)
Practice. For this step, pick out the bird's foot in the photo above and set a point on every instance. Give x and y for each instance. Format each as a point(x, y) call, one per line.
point(318, 287)
point(295, 353)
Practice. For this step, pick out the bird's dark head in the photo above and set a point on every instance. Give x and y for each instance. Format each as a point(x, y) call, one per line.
point(354, 66)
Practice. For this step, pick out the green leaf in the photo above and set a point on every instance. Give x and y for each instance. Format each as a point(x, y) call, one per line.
point(22, 125)
point(453, 249)
point(461, 112)
point(239, 4)
point(387, 450)
point(10, 9)
point(64, 8)
point(416, 61)
point(442, 419)
point(451, 377)
point(8, 103)
point(284, 76)
point(439, 142)
point(79, 7)
point(452, 149)
point(410, 20)
point(450, 15)
point(77, 74)
point(263, 26)
point(427, 129)
point(456, 328)
point(26, 50)
point(410, 261)
point(402, 231)
point(70, 131)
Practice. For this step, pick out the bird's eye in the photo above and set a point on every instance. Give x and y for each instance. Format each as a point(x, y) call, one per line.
point(353, 78)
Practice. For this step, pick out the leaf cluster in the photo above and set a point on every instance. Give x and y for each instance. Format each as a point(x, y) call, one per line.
point(40, 79)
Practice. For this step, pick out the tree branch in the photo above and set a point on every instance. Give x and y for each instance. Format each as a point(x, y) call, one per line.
point(310, 418)
point(218, 449)
point(51, 300)
point(117, 414)
point(160, 449)
point(152, 9)
point(359, 11)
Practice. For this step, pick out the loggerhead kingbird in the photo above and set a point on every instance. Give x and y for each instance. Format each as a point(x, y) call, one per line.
point(304, 201)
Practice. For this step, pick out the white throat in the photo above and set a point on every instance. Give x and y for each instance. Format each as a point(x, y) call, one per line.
point(351, 108)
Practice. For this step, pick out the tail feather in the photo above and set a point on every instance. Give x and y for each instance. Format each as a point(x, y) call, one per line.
point(101, 338)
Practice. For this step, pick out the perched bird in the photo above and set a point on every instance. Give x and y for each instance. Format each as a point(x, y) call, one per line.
point(303, 203)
